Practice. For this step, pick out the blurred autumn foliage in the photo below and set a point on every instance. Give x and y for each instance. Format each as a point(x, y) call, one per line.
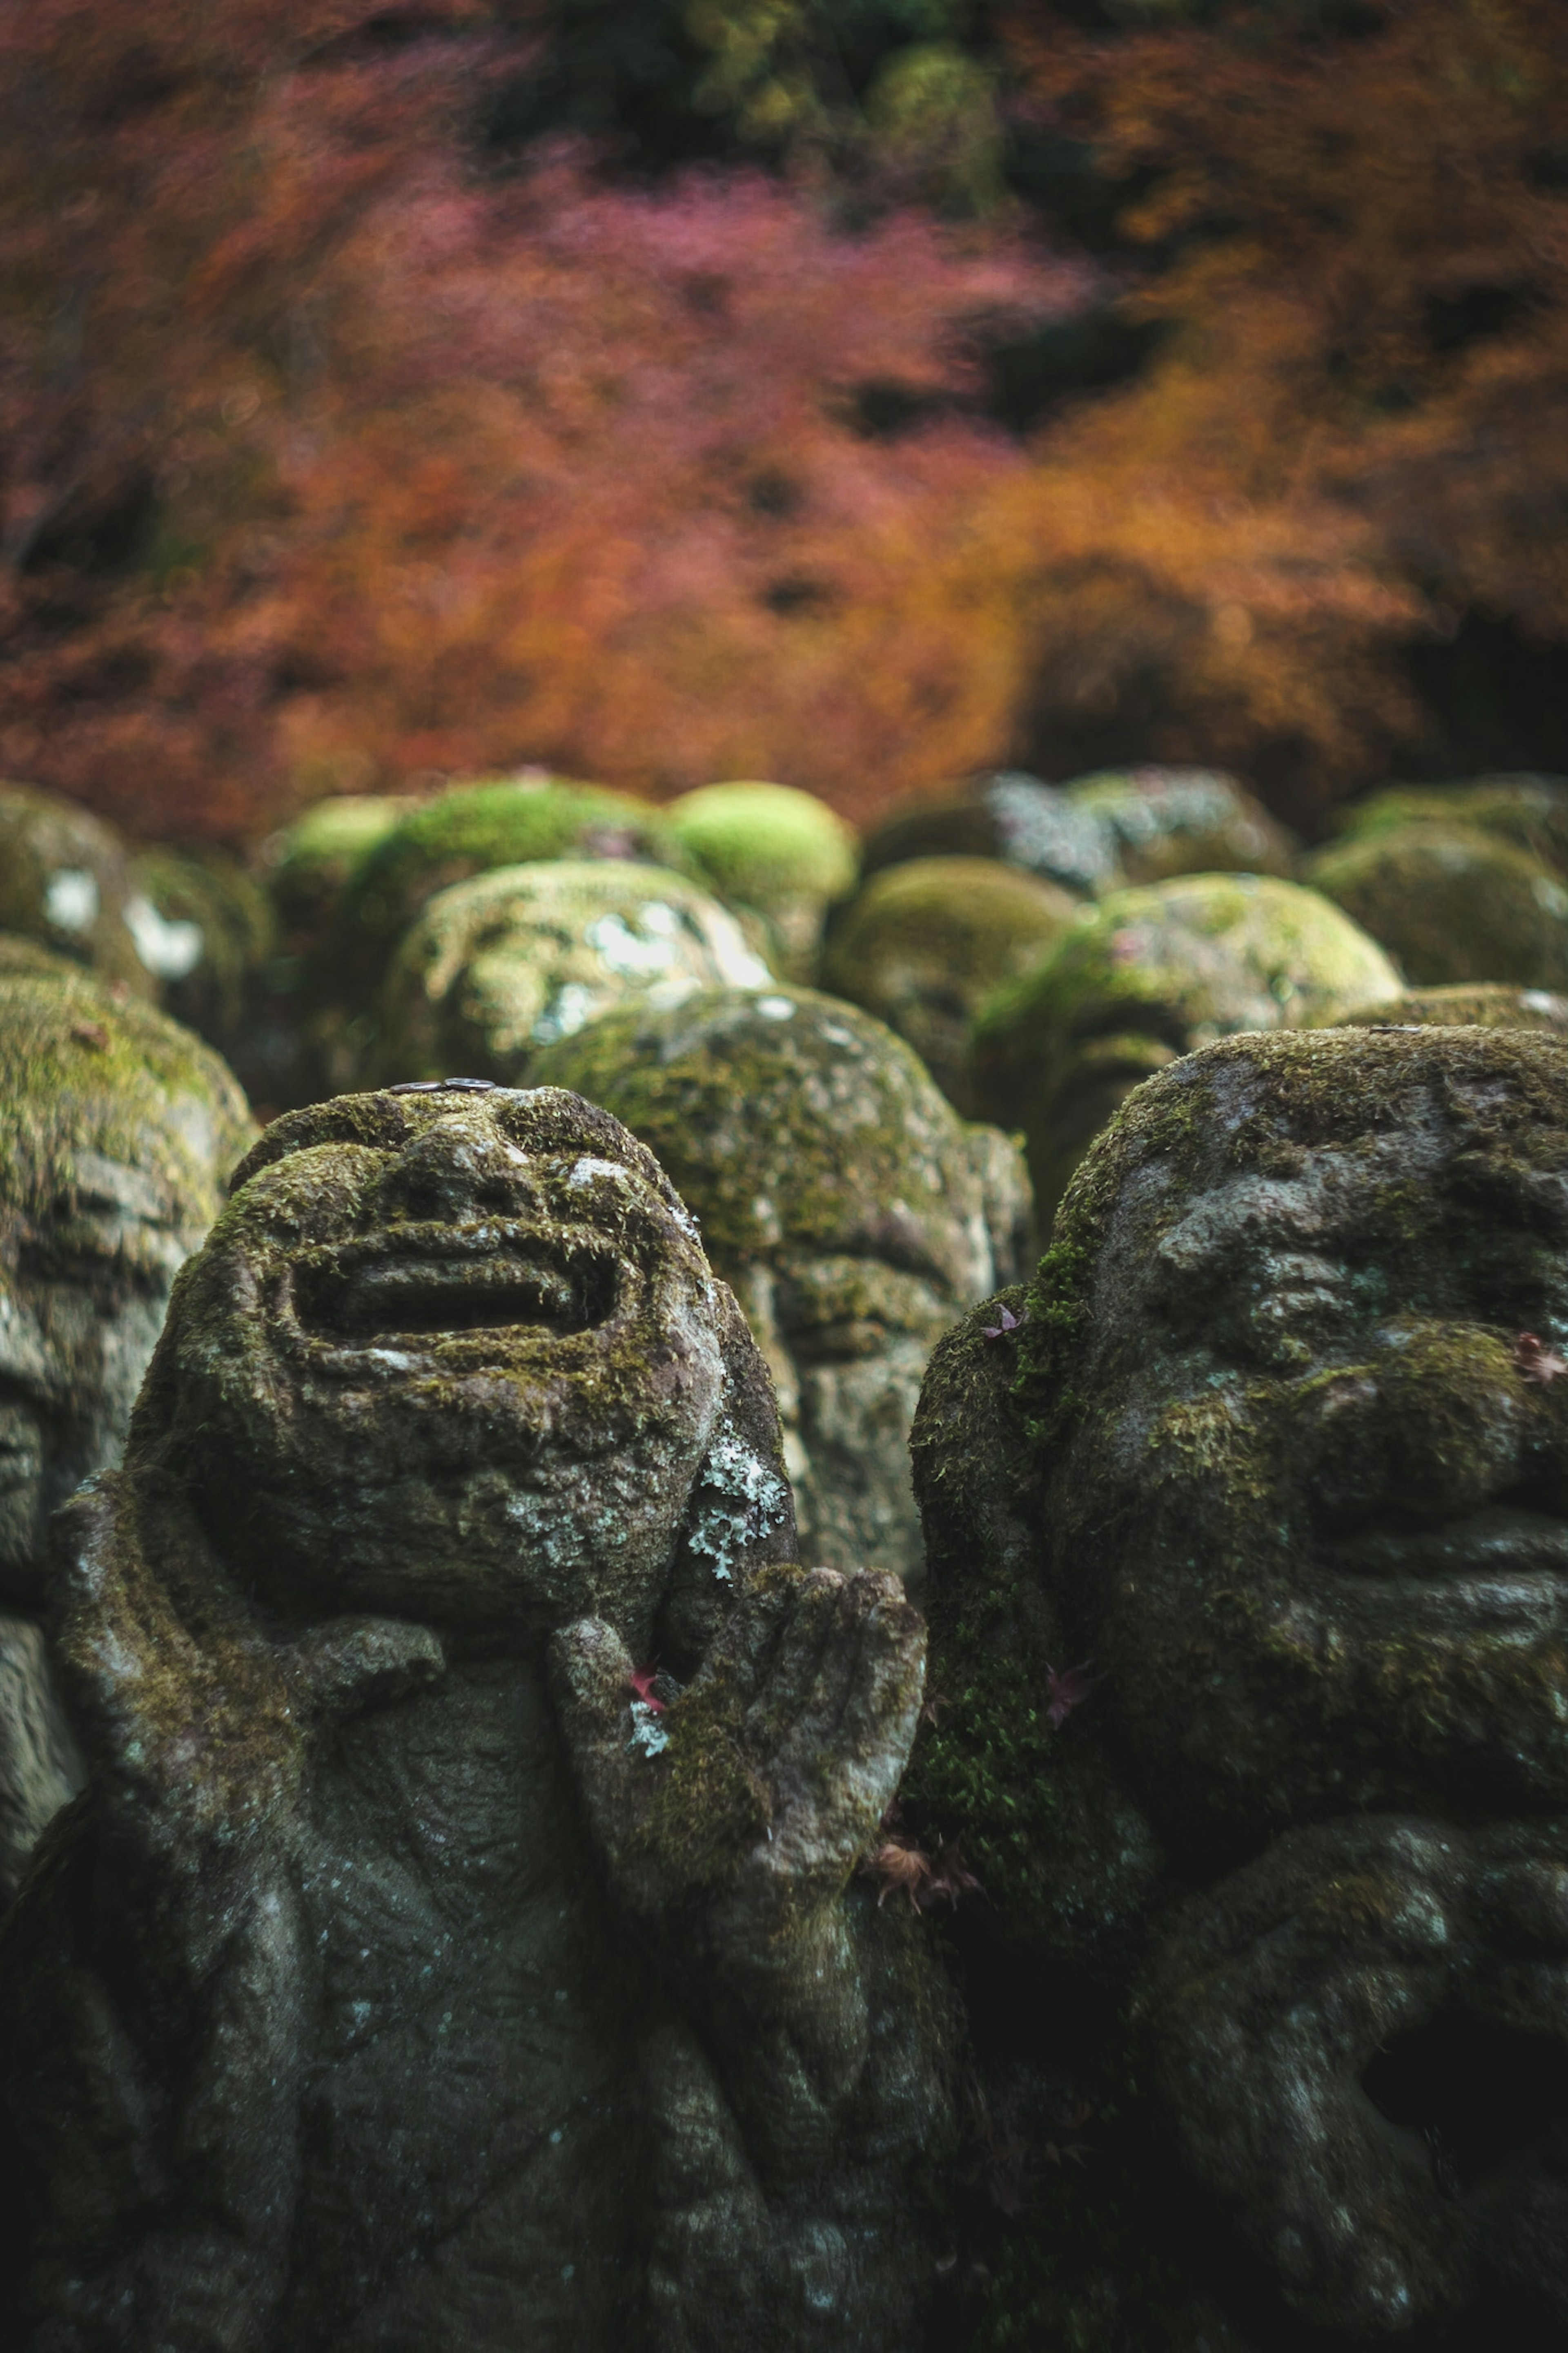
point(852, 395)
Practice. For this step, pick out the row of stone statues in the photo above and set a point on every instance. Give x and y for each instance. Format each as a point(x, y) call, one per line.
point(489, 1893)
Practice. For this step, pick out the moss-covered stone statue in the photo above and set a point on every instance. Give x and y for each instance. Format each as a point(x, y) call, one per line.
point(1097, 833)
point(218, 936)
point(1166, 821)
point(1531, 811)
point(775, 851)
point(66, 881)
point(117, 1133)
point(456, 1946)
point(1248, 1536)
point(500, 967)
point(1451, 903)
point(1152, 974)
point(854, 1213)
point(1486, 1004)
point(928, 941)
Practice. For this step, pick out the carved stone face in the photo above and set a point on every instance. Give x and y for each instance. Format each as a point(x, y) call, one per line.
point(855, 1214)
point(117, 1130)
point(1316, 1510)
point(452, 1355)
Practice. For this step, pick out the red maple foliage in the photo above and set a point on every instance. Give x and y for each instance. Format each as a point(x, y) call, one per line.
point(333, 460)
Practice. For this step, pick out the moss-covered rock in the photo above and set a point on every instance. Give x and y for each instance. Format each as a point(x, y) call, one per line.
point(474, 829)
point(1486, 1004)
point(510, 1990)
point(1531, 811)
point(1166, 821)
point(773, 850)
point(1248, 1560)
point(66, 881)
point(1451, 903)
point(1010, 816)
point(118, 1130)
point(852, 1211)
point(218, 935)
point(310, 865)
point(497, 968)
point(926, 941)
point(1150, 974)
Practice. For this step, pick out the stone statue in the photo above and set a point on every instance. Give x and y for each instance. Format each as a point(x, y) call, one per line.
point(1248, 1527)
point(116, 1131)
point(454, 1947)
point(852, 1210)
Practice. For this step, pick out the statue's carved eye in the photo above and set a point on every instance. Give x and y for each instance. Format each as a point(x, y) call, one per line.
point(381, 1122)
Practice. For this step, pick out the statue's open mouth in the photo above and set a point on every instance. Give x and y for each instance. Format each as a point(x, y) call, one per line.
point(422, 1289)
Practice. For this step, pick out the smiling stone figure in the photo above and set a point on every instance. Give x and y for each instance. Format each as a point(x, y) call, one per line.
point(1280, 1455)
point(452, 1949)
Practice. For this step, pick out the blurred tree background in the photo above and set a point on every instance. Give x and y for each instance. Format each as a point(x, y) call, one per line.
point(857, 393)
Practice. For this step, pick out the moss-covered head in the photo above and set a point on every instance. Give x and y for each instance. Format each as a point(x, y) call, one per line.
point(1531, 811)
point(118, 1130)
point(773, 849)
point(1451, 903)
point(1292, 1370)
point(926, 941)
point(853, 1211)
point(1148, 975)
point(455, 1354)
point(66, 881)
point(497, 967)
point(1165, 821)
point(473, 829)
point(1478, 1005)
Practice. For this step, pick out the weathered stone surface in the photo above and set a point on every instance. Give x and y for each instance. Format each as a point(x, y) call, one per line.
point(500, 967)
point(1161, 822)
point(1248, 1581)
point(928, 941)
point(1487, 1005)
point(66, 881)
point(1451, 903)
point(117, 1132)
point(217, 935)
point(1155, 973)
point(419, 1969)
point(853, 1212)
point(774, 851)
point(1010, 816)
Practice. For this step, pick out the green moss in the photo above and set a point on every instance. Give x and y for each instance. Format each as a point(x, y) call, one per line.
point(311, 864)
point(80, 1074)
point(926, 942)
point(1531, 811)
point(1169, 821)
point(65, 881)
point(235, 919)
point(1152, 973)
point(760, 844)
point(1485, 1004)
point(1451, 903)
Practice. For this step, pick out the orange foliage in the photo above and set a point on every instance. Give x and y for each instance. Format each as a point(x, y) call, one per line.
point(1355, 433)
point(448, 472)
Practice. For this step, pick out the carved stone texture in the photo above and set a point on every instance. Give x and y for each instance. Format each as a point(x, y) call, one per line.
point(117, 1132)
point(500, 967)
point(1249, 1587)
point(454, 1947)
point(1152, 974)
point(855, 1214)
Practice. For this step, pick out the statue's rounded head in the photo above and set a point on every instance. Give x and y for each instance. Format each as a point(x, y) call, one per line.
point(1297, 1362)
point(453, 1353)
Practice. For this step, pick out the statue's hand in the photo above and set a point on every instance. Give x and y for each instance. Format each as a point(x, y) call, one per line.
point(739, 1812)
point(194, 1721)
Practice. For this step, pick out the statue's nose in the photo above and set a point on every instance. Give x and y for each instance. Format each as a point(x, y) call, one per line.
point(1437, 1423)
point(459, 1168)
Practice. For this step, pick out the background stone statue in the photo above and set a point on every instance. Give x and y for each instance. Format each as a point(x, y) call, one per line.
point(455, 1945)
point(117, 1132)
point(1248, 1530)
point(854, 1212)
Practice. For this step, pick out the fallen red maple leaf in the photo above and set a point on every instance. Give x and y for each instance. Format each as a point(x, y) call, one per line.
point(642, 1680)
point(1536, 1361)
point(925, 1879)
